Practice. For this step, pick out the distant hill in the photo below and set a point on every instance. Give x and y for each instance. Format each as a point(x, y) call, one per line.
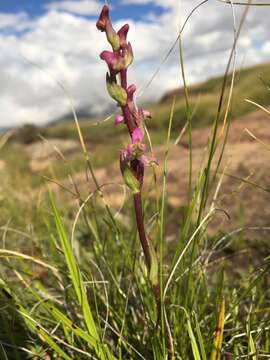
point(252, 83)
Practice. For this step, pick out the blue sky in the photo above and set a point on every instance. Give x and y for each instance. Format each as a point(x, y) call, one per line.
point(36, 8)
point(43, 43)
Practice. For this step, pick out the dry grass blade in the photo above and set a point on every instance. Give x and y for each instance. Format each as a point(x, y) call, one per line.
point(203, 222)
point(216, 352)
point(257, 139)
point(246, 181)
point(15, 254)
point(258, 105)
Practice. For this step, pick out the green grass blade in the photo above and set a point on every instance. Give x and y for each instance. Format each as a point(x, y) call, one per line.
point(200, 339)
point(194, 345)
point(64, 320)
point(76, 279)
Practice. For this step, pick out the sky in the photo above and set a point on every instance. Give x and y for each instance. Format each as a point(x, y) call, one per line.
point(50, 48)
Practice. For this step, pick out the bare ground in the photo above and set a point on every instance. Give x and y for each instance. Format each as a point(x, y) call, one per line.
point(245, 158)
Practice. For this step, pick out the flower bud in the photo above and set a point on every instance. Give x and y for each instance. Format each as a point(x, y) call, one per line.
point(130, 91)
point(112, 36)
point(103, 18)
point(128, 55)
point(122, 33)
point(129, 179)
point(116, 91)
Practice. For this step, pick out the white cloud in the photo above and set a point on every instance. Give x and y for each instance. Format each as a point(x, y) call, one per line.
point(14, 21)
point(67, 48)
point(80, 7)
point(162, 3)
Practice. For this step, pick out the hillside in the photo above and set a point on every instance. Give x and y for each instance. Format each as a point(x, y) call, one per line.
point(244, 192)
point(251, 83)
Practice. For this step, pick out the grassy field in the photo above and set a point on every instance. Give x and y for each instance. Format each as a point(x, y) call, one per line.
point(74, 284)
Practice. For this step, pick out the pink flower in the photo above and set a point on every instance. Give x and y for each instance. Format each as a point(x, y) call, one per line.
point(137, 136)
point(114, 61)
point(119, 119)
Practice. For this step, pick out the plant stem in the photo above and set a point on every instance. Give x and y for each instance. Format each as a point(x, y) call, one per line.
point(137, 169)
point(140, 225)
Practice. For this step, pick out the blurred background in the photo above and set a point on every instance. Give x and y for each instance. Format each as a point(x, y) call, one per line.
point(43, 42)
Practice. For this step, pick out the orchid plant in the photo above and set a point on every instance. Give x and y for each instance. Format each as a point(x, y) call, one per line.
point(133, 158)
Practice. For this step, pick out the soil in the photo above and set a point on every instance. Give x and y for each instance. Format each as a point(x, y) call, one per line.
point(244, 193)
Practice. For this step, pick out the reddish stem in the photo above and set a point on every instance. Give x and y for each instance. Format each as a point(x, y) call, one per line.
point(124, 78)
point(138, 170)
point(140, 225)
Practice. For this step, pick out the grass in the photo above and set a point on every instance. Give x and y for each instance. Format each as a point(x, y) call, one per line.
point(74, 284)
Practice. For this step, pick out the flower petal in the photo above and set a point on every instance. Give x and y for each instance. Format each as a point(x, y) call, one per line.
point(122, 33)
point(130, 91)
point(119, 119)
point(137, 135)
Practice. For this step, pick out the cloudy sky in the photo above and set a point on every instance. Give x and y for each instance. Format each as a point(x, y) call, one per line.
point(46, 42)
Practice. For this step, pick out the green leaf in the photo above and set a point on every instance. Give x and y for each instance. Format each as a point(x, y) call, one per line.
point(200, 338)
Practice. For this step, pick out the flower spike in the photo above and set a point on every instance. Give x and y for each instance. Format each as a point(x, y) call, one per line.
point(133, 158)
